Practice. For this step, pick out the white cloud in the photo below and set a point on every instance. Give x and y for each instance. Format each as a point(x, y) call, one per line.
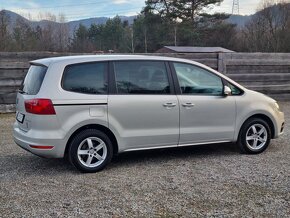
point(118, 2)
point(131, 13)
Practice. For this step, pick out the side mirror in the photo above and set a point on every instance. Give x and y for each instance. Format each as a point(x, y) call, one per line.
point(227, 91)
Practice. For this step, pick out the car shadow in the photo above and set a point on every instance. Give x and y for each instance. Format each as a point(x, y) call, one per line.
point(165, 154)
point(25, 164)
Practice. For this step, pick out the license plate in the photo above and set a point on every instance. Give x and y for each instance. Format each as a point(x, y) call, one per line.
point(20, 117)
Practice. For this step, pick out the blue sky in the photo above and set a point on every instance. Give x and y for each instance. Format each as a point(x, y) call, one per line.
point(76, 9)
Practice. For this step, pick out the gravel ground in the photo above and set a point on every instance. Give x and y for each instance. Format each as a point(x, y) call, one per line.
point(206, 181)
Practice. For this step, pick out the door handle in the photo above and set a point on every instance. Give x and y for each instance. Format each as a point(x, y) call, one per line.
point(169, 105)
point(188, 105)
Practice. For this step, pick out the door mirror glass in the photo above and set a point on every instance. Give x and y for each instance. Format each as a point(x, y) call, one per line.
point(227, 91)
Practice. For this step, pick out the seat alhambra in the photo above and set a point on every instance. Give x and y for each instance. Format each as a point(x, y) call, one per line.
point(89, 108)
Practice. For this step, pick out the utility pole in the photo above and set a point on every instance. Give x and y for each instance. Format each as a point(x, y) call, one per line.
point(236, 7)
point(175, 34)
point(132, 39)
point(145, 39)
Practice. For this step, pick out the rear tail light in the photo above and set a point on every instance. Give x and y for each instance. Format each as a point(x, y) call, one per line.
point(39, 106)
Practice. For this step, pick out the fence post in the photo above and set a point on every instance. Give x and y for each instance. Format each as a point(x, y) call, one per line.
point(221, 63)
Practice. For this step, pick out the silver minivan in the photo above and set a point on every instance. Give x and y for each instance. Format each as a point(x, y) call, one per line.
point(92, 107)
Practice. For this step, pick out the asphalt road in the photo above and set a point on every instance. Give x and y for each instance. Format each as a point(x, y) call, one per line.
point(199, 181)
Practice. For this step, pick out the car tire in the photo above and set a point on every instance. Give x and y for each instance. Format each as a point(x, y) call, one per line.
point(254, 137)
point(90, 151)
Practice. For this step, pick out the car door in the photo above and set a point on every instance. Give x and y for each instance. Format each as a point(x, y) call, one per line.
point(206, 115)
point(143, 110)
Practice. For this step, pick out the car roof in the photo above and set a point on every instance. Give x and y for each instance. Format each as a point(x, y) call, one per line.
point(67, 60)
point(91, 58)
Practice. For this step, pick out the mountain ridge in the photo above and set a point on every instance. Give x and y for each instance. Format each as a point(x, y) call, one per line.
point(239, 20)
point(73, 25)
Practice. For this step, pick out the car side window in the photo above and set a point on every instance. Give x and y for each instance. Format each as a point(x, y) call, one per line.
point(87, 78)
point(141, 77)
point(195, 80)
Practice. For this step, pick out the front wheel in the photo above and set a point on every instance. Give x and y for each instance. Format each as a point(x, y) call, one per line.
point(90, 151)
point(255, 136)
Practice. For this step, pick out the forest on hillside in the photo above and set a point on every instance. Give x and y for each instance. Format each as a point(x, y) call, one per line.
point(160, 23)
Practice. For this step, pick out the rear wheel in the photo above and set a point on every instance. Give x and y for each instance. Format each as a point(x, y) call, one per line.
point(255, 136)
point(90, 151)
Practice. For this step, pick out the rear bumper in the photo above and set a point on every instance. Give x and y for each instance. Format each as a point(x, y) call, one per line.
point(24, 140)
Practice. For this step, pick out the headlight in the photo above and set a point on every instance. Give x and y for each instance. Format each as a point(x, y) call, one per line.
point(277, 106)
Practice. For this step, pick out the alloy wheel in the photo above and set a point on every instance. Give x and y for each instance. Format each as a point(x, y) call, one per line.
point(256, 137)
point(92, 152)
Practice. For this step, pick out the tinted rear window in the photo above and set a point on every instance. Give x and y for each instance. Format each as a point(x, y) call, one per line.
point(33, 80)
point(89, 78)
point(141, 77)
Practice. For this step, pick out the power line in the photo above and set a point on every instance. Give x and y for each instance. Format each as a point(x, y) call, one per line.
point(62, 6)
point(107, 12)
point(71, 15)
point(78, 14)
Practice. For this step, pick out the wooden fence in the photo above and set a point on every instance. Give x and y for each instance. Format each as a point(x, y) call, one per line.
point(268, 73)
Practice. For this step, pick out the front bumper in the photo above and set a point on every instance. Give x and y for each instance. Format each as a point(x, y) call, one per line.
point(280, 122)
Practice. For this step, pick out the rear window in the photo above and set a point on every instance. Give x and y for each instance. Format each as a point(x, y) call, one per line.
point(33, 80)
point(88, 78)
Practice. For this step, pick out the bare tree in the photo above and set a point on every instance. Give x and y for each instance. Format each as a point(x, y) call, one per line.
point(48, 31)
point(269, 28)
point(4, 34)
point(62, 33)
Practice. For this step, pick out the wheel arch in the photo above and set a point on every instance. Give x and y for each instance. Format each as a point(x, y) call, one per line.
point(264, 117)
point(102, 128)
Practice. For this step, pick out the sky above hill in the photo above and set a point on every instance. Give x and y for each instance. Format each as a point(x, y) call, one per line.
point(76, 9)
